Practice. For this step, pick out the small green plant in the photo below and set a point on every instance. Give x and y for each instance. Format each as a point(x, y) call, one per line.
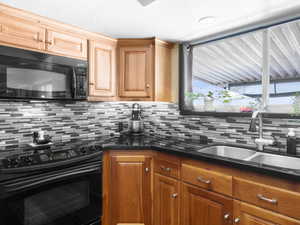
point(194, 96)
point(255, 104)
point(210, 94)
point(225, 96)
point(296, 103)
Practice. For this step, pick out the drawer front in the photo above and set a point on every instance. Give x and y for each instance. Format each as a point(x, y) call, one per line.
point(276, 199)
point(207, 179)
point(166, 168)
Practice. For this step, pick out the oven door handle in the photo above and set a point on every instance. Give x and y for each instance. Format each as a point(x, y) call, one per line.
point(28, 183)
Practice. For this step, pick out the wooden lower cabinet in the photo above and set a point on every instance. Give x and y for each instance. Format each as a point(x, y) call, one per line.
point(166, 200)
point(201, 207)
point(246, 214)
point(128, 188)
point(131, 189)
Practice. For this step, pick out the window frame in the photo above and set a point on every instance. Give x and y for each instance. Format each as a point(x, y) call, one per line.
point(183, 73)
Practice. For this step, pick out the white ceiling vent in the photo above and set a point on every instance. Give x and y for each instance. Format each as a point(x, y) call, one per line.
point(145, 2)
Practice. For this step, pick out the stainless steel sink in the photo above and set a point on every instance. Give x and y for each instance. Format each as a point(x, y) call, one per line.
point(229, 152)
point(245, 154)
point(276, 160)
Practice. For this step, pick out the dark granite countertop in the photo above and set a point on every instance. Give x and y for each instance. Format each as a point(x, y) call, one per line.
point(173, 145)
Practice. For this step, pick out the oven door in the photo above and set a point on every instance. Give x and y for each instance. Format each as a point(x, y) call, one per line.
point(66, 197)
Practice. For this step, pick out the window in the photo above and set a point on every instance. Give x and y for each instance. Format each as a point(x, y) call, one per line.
point(285, 68)
point(244, 73)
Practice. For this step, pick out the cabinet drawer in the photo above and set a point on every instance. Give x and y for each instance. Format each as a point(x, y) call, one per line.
point(207, 179)
point(276, 199)
point(166, 168)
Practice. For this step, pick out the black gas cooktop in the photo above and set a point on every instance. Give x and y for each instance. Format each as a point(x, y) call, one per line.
point(44, 157)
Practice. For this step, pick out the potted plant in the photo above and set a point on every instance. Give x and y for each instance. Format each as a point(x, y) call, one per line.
point(207, 98)
point(296, 103)
point(226, 98)
point(193, 97)
point(209, 101)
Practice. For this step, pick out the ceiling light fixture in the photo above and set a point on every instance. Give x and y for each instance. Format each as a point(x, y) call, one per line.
point(145, 2)
point(207, 20)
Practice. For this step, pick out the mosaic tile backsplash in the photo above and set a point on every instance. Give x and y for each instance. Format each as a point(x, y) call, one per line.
point(18, 120)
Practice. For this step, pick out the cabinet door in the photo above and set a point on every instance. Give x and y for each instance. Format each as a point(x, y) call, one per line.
point(166, 200)
point(102, 66)
point(131, 198)
point(201, 207)
point(21, 33)
point(66, 44)
point(136, 72)
point(245, 214)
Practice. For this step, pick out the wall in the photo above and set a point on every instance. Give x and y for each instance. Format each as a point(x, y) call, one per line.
point(18, 120)
point(165, 119)
point(83, 119)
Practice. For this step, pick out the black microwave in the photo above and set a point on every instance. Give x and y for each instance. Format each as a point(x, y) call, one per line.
point(33, 75)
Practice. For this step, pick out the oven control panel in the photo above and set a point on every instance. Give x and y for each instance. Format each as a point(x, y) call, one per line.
point(50, 156)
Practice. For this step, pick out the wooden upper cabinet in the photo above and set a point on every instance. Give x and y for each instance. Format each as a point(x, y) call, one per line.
point(166, 200)
point(130, 188)
point(19, 32)
point(245, 214)
point(163, 56)
point(66, 44)
point(144, 69)
point(102, 70)
point(136, 72)
point(201, 207)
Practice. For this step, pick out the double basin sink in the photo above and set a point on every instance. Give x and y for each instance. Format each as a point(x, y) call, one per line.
point(249, 155)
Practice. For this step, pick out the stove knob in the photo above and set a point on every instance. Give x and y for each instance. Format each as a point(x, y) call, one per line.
point(28, 159)
point(83, 150)
point(13, 162)
point(92, 148)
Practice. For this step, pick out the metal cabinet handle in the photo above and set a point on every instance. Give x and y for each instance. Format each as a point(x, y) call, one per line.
point(227, 216)
point(147, 85)
point(269, 200)
point(201, 179)
point(237, 220)
point(36, 38)
point(49, 42)
point(174, 195)
point(167, 169)
point(147, 169)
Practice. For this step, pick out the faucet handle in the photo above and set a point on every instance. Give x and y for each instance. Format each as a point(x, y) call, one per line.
point(276, 143)
point(252, 127)
point(255, 113)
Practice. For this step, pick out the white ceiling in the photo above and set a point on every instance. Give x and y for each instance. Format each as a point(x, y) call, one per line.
point(165, 19)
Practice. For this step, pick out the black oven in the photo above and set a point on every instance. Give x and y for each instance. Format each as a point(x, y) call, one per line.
point(32, 75)
point(61, 196)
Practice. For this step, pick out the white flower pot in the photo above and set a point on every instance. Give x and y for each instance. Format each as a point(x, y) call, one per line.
point(297, 100)
point(209, 104)
point(197, 106)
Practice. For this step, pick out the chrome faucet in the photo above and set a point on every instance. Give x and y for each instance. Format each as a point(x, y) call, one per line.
point(261, 141)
